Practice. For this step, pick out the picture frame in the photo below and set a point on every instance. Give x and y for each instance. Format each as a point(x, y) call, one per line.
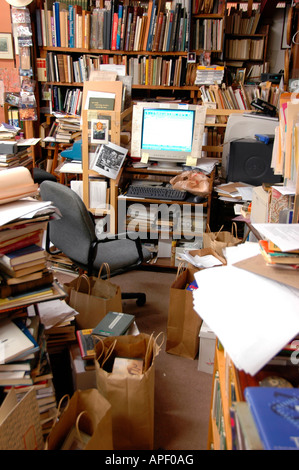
point(6, 46)
point(99, 131)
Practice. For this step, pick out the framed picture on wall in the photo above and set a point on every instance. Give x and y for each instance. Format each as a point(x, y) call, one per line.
point(6, 49)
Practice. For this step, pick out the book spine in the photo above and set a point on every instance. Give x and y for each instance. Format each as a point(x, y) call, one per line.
point(71, 27)
point(57, 24)
point(119, 25)
point(114, 31)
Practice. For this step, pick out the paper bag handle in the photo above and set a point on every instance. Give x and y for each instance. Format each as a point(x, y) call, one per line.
point(181, 268)
point(234, 226)
point(77, 425)
point(107, 267)
point(85, 278)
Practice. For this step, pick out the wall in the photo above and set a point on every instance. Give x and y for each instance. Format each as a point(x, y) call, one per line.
point(275, 55)
point(8, 68)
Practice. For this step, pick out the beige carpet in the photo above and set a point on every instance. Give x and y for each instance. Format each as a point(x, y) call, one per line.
point(182, 393)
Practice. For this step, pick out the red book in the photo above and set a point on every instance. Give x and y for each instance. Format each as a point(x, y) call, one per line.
point(114, 31)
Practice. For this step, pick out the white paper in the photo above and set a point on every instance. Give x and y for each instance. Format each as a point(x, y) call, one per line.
point(285, 236)
point(206, 261)
point(53, 312)
point(21, 208)
point(253, 317)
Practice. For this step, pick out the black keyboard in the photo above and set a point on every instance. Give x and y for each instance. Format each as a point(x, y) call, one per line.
point(156, 192)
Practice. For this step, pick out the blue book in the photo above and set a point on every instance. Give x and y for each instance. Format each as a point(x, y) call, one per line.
point(57, 23)
point(71, 26)
point(151, 28)
point(275, 412)
point(23, 255)
point(120, 15)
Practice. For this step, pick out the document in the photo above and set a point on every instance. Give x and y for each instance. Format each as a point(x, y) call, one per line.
point(23, 208)
point(285, 236)
point(253, 317)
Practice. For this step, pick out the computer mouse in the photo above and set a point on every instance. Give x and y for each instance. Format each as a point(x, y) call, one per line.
point(197, 199)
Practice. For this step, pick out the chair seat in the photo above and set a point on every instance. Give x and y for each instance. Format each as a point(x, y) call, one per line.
point(119, 254)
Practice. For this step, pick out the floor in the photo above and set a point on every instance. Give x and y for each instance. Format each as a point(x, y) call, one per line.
point(182, 393)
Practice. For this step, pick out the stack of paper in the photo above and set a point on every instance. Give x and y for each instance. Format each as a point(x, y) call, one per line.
point(254, 317)
point(234, 192)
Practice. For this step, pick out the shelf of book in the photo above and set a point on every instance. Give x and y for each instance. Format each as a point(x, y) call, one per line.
point(230, 387)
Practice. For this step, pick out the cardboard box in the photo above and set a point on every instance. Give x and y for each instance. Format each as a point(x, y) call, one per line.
point(207, 342)
point(82, 379)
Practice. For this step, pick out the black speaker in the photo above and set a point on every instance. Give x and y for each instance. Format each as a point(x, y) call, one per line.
point(250, 162)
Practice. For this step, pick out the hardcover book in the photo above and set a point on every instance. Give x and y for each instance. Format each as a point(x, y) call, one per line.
point(114, 324)
point(29, 253)
point(275, 411)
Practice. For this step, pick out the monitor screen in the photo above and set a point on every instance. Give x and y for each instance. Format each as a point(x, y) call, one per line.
point(167, 130)
point(167, 133)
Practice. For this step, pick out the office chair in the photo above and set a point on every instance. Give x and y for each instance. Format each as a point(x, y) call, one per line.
point(74, 235)
point(40, 175)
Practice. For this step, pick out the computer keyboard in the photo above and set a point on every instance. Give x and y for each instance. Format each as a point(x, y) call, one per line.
point(156, 192)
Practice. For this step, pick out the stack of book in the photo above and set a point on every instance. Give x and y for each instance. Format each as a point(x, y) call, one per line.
point(25, 364)
point(278, 258)
point(113, 324)
point(65, 128)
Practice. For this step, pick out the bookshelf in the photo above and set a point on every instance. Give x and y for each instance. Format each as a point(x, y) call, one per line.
point(228, 388)
point(152, 41)
point(245, 40)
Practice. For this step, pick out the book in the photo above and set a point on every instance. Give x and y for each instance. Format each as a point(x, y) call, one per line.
point(247, 435)
point(15, 280)
point(275, 411)
point(86, 343)
point(276, 256)
point(127, 366)
point(21, 242)
point(23, 255)
point(15, 378)
point(14, 343)
point(20, 271)
point(114, 324)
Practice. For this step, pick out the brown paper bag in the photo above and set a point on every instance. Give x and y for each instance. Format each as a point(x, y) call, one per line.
point(94, 412)
point(183, 322)
point(20, 427)
point(217, 241)
point(131, 396)
point(93, 298)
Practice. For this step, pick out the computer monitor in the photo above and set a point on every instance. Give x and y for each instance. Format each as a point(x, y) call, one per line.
point(167, 133)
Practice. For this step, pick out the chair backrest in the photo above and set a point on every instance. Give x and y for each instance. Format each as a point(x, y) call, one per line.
point(74, 232)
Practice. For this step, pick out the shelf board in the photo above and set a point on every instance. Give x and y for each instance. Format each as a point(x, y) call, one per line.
point(72, 50)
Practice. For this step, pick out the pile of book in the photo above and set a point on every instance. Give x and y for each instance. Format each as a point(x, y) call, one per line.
point(58, 319)
point(25, 364)
point(23, 266)
point(8, 131)
point(65, 128)
point(278, 258)
point(113, 324)
point(13, 155)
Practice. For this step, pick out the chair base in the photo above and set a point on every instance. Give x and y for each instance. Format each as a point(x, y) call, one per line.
point(140, 296)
